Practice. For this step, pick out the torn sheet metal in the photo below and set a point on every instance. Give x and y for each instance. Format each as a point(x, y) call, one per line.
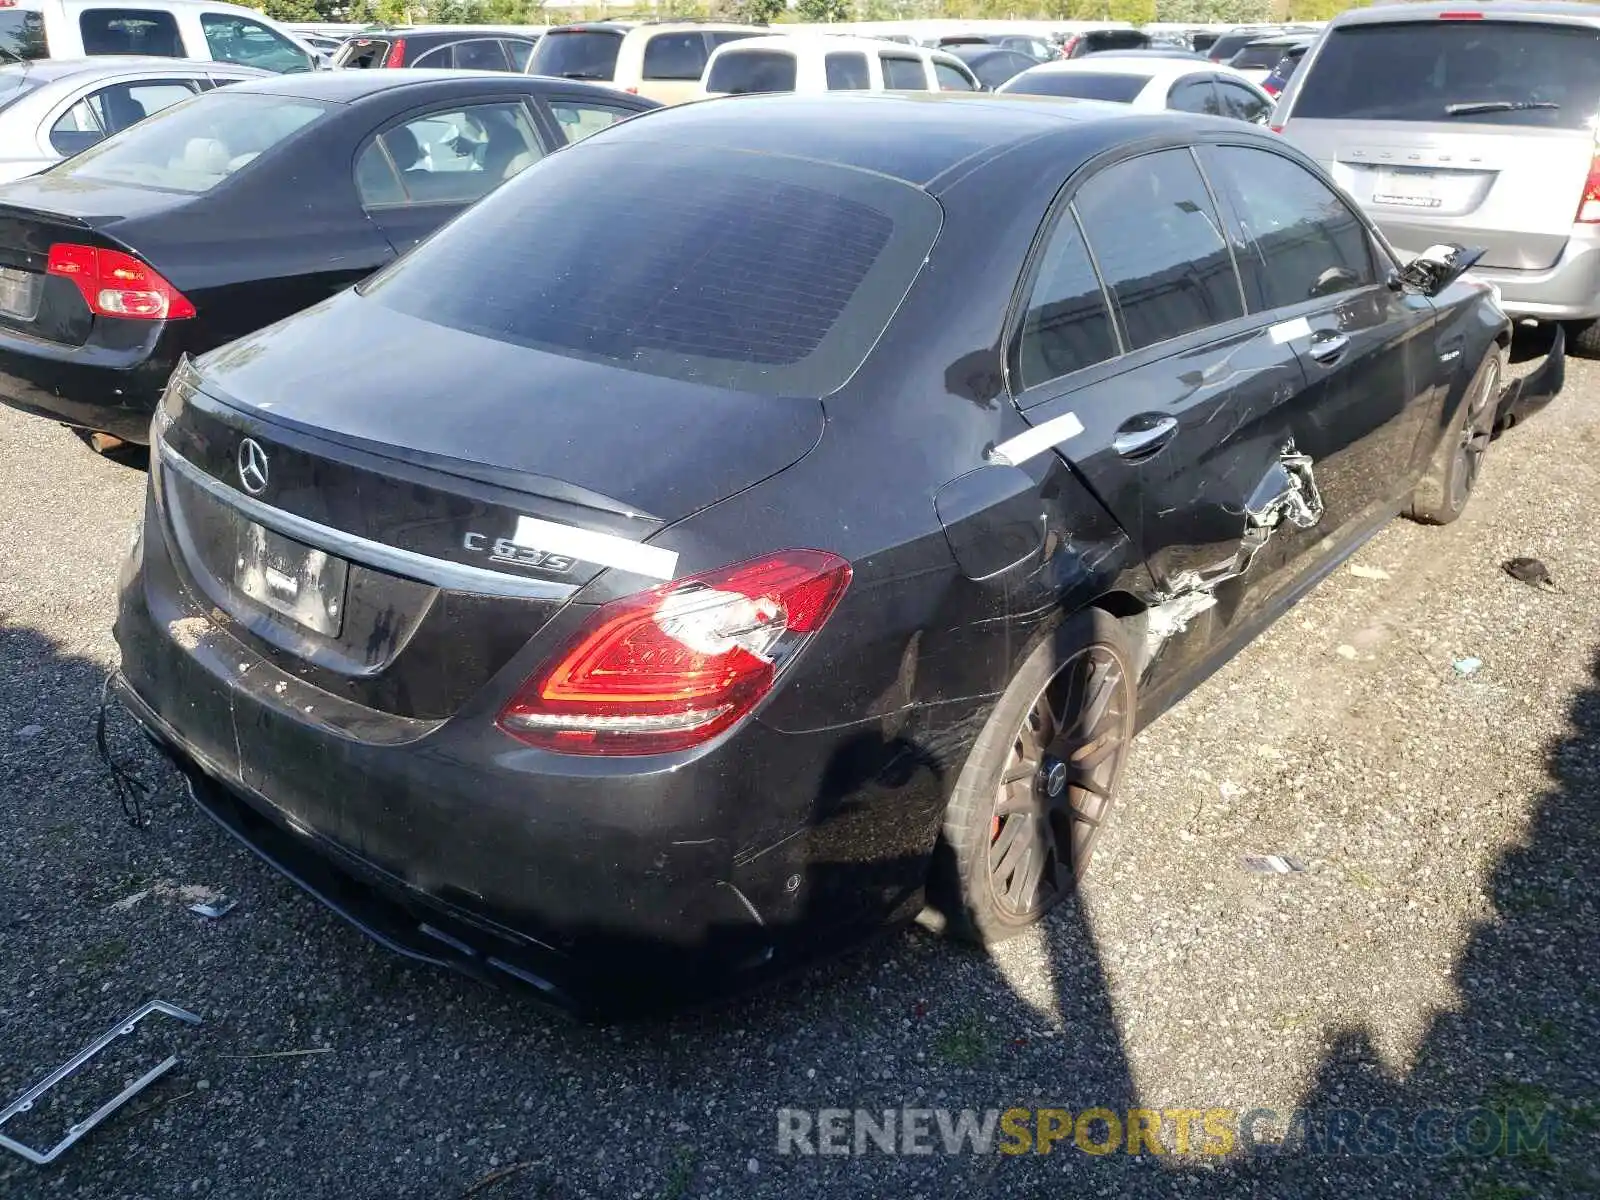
point(122, 1028)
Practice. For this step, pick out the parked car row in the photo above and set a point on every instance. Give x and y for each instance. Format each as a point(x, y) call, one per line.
point(201, 30)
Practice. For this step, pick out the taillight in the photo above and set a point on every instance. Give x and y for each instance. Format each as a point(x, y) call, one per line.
point(673, 667)
point(397, 54)
point(1071, 44)
point(115, 284)
point(1272, 89)
point(1275, 128)
point(1589, 205)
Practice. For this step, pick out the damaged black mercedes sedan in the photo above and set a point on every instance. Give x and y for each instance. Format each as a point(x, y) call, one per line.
point(763, 520)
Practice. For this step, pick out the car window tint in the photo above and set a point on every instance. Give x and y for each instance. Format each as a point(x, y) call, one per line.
point(452, 156)
point(1241, 103)
point(193, 146)
point(240, 40)
point(1078, 85)
point(950, 79)
point(577, 54)
point(756, 272)
point(903, 74)
point(744, 72)
point(440, 58)
point(77, 129)
point(1151, 226)
point(130, 31)
point(1194, 96)
point(22, 35)
point(846, 72)
point(1302, 240)
point(519, 52)
point(675, 56)
point(480, 54)
point(579, 119)
point(1067, 325)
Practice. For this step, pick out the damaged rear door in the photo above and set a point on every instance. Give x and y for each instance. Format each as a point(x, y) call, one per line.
point(1184, 426)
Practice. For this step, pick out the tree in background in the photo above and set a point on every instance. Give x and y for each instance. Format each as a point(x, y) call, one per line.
point(818, 11)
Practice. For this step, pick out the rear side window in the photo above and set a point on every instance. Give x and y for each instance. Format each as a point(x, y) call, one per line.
point(238, 39)
point(576, 54)
point(1301, 240)
point(130, 31)
point(1240, 103)
point(1067, 325)
point(363, 53)
point(22, 35)
point(112, 109)
point(579, 119)
point(903, 74)
point(519, 52)
point(847, 72)
point(675, 56)
point(1151, 226)
point(193, 146)
point(1194, 96)
point(743, 72)
point(480, 54)
point(749, 271)
point(950, 79)
point(1080, 85)
point(1478, 72)
point(450, 157)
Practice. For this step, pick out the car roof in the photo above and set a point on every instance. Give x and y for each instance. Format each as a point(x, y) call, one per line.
point(105, 64)
point(815, 39)
point(351, 87)
point(1516, 10)
point(1152, 68)
point(912, 136)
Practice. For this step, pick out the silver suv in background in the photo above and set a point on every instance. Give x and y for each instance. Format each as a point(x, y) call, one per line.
point(1472, 123)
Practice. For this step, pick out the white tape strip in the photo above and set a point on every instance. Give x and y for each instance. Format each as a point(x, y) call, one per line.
point(587, 545)
point(1037, 440)
point(1289, 330)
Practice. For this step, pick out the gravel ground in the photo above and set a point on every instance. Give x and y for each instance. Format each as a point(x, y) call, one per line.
point(1438, 951)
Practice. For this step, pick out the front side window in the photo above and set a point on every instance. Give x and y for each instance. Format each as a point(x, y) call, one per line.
point(847, 72)
point(194, 146)
point(1067, 325)
point(903, 74)
point(744, 72)
point(579, 119)
point(1151, 226)
point(1194, 96)
point(130, 31)
point(679, 56)
point(1302, 241)
point(950, 79)
point(480, 54)
point(1242, 104)
point(449, 157)
point(240, 40)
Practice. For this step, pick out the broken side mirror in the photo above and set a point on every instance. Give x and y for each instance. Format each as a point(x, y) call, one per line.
point(1435, 269)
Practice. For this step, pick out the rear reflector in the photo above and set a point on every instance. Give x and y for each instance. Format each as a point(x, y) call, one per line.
point(397, 54)
point(671, 668)
point(115, 284)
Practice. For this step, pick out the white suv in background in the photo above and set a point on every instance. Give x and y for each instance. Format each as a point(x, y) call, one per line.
point(192, 29)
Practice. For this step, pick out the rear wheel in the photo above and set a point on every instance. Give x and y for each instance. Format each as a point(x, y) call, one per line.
point(1038, 787)
point(1442, 494)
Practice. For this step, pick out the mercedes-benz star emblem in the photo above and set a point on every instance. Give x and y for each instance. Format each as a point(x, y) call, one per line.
point(252, 466)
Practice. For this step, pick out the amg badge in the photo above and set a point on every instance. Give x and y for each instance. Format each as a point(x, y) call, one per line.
point(504, 550)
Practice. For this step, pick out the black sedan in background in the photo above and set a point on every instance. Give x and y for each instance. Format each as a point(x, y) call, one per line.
point(992, 64)
point(227, 212)
point(737, 529)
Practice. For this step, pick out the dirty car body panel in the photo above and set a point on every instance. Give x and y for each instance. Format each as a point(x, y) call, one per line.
point(995, 423)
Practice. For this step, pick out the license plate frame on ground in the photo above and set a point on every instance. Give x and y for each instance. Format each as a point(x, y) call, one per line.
point(19, 293)
point(292, 579)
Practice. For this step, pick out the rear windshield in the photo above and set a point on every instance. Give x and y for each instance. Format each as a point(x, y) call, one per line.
point(1080, 85)
point(1229, 44)
point(577, 54)
point(1116, 39)
point(195, 144)
point(1255, 58)
point(741, 72)
point(750, 271)
point(1482, 72)
point(363, 53)
point(22, 34)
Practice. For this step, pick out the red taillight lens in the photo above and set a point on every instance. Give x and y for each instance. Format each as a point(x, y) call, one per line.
point(1275, 128)
point(397, 54)
point(115, 284)
point(1272, 89)
point(1589, 204)
point(1071, 44)
point(673, 667)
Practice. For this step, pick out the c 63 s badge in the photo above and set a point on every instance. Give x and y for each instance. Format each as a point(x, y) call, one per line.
point(504, 550)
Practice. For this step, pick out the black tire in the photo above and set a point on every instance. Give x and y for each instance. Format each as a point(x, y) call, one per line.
point(1583, 337)
point(1443, 493)
point(1045, 820)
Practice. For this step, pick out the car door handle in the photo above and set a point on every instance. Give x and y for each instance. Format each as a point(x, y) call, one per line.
point(1327, 347)
point(1143, 436)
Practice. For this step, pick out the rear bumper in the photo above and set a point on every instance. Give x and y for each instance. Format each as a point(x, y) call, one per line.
point(609, 887)
point(92, 387)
